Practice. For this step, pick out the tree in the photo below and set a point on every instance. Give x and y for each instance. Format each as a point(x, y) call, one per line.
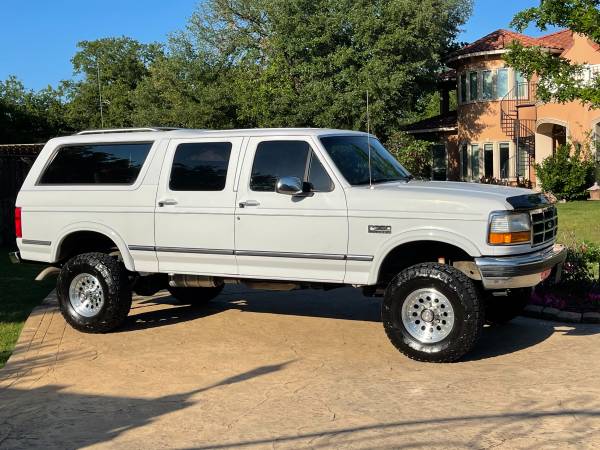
point(309, 62)
point(120, 64)
point(559, 79)
point(27, 116)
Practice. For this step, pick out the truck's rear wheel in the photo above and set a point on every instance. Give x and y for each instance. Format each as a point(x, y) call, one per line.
point(504, 308)
point(431, 312)
point(93, 292)
point(195, 295)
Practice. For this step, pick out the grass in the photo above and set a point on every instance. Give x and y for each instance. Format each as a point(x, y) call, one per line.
point(19, 294)
point(579, 221)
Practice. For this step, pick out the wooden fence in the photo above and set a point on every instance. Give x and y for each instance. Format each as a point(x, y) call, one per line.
point(15, 162)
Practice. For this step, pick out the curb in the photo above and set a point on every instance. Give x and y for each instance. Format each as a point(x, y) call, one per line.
point(547, 313)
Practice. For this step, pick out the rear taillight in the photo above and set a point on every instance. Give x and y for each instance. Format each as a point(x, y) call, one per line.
point(18, 223)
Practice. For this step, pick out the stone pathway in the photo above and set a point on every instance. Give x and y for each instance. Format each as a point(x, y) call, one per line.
point(305, 369)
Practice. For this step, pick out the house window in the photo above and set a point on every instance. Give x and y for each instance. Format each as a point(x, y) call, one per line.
point(474, 161)
point(464, 162)
point(522, 160)
point(504, 158)
point(438, 170)
point(501, 83)
point(473, 88)
point(487, 84)
point(488, 160)
point(463, 88)
point(521, 84)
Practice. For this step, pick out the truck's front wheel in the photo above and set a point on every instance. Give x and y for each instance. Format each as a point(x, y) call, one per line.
point(93, 292)
point(432, 312)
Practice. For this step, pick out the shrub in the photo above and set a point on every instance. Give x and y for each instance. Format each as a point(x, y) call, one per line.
point(412, 153)
point(567, 174)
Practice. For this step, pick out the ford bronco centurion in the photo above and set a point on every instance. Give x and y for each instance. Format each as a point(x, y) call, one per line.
point(140, 210)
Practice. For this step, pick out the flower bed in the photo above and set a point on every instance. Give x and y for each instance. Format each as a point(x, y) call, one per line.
point(579, 288)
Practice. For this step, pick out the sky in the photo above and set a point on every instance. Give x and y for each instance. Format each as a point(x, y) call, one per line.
point(38, 38)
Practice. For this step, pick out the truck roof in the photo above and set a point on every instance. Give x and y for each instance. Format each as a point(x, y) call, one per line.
point(151, 134)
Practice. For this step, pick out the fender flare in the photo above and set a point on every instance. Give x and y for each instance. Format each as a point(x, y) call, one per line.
point(431, 234)
point(97, 228)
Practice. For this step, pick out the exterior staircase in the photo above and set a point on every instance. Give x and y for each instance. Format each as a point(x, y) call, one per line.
point(520, 127)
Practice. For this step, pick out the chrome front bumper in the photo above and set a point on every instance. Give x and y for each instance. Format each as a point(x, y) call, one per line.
point(511, 272)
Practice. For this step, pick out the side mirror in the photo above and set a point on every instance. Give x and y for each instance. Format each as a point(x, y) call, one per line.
point(289, 186)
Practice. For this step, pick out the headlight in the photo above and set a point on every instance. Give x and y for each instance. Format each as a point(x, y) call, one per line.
point(508, 228)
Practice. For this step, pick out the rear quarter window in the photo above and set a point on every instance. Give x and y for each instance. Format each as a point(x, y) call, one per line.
point(115, 164)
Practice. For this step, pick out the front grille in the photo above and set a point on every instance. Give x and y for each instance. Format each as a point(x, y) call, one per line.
point(544, 225)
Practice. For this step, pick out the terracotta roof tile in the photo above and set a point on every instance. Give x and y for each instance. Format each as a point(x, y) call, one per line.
point(561, 39)
point(501, 39)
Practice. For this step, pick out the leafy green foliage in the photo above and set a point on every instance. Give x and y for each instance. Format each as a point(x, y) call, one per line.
point(27, 116)
point(560, 80)
point(413, 154)
point(567, 173)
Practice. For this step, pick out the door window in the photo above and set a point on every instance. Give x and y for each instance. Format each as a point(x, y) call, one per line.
point(276, 159)
point(439, 162)
point(488, 160)
point(200, 166)
point(504, 158)
point(475, 161)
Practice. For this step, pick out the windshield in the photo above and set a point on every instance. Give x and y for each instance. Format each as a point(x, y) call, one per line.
point(351, 155)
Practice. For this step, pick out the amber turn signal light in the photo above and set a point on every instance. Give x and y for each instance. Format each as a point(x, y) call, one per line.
point(510, 238)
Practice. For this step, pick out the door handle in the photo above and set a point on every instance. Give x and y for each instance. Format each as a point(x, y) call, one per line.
point(167, 202)
point(249, 203)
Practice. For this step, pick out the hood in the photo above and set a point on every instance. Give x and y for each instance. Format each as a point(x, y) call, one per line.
point(442, 197)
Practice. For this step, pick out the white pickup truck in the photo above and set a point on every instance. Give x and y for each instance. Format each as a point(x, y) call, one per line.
point(141, 210)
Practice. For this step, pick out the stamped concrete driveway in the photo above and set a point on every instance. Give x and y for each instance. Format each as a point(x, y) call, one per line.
point(293, 370)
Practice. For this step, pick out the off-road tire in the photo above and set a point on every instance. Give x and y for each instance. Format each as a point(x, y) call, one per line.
point(115, 284)
point(195, 295)
point(460, 291)
point(502, 309)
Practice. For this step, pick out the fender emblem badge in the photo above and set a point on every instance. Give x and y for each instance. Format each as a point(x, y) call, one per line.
point(381, 229)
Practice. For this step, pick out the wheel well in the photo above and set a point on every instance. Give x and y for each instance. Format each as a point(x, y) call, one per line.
point(412, 253)
point(84, 242)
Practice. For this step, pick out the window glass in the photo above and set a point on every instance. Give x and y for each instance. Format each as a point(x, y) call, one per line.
point(317, 176)
point(97, 164)
point(200, 166)
point(487, 81)
point(475, 161)
point(488, 160)
point(504, 160)
point(521, 83)
point(351, 156)
point(501, 83)
point(464, 162)
point(473, 86)
point(439, 162)
point(275, 159)
point(463, 88)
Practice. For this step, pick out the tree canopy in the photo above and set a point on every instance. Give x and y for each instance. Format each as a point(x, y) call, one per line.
point(559, 79)
point(250, 63)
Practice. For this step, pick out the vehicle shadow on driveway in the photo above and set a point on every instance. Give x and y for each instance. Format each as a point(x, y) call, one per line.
point(342, 304)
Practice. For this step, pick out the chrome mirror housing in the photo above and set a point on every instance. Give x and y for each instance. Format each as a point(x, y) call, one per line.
point(289, 186)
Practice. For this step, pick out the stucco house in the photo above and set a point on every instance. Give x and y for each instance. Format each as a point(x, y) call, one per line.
point(500, 129)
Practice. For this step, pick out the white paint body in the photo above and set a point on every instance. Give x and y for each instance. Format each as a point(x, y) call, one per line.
point(332, 223)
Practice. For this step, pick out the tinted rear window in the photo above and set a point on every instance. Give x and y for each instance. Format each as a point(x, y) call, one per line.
point(97, 164)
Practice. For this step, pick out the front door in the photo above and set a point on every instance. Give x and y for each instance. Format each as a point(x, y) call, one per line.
point(280, 236)
point(195, 207)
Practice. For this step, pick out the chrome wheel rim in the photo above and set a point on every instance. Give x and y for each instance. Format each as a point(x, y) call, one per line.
point(427, 315)
point(86, 295)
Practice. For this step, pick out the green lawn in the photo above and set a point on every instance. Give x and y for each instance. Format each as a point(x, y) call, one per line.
point(19, 294)
point(579, 221)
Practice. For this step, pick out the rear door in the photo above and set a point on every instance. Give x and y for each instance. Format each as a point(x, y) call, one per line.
point(195, 207)
point(280, 236)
